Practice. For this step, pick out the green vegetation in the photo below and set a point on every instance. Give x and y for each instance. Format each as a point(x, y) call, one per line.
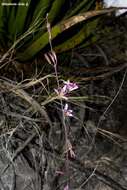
point(24, 28)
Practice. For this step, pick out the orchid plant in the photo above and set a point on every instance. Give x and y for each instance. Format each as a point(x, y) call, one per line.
point(62, 92)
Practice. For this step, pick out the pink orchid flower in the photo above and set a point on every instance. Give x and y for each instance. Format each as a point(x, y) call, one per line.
point(68, 87)
point(67, 112)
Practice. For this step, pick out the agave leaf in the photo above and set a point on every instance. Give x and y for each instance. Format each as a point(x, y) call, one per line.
point(1, 16)
point(77, 39)
point(2, 23)
point(85, 5)
point(11, 18)
point(42, 41)
point(89, 6)
point(42, 8)
point(39, 16)
point(18, 18)
point(55, 10)
point(52, 13)
point(21, 16)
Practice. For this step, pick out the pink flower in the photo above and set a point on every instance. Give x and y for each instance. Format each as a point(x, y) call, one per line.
point(67, 112)
point(70, 86)
point(66, 187)
point(67, 88)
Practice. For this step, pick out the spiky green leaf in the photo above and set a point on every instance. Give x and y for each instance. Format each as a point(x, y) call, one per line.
point(41, 42)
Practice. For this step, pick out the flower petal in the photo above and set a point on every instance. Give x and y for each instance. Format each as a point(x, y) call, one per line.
point(66, 107)
point(66, 187)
